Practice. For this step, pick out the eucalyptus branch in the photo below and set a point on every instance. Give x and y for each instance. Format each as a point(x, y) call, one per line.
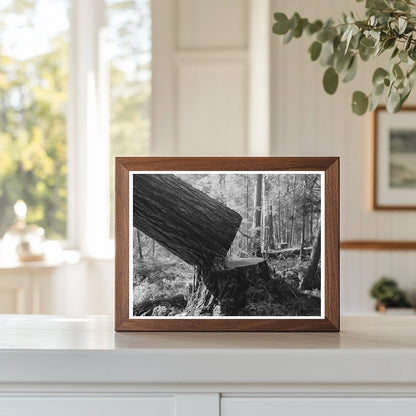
point(389, 25)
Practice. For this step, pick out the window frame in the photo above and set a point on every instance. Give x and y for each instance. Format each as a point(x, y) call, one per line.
point(87, 128)
point(87, 133)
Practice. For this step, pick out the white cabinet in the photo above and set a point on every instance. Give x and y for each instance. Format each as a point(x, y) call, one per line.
point(88, 406)
point(268, 406)
point(52, 365)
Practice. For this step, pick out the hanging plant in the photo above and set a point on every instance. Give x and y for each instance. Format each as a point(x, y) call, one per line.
point(389, 27)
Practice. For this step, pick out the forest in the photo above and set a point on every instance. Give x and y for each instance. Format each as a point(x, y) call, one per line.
point(226, 244)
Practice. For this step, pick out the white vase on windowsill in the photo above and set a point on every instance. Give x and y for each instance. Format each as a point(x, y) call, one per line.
point(23, 240)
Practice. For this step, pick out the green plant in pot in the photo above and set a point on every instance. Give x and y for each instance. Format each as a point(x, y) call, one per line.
point(387, 294)
point(389, 27)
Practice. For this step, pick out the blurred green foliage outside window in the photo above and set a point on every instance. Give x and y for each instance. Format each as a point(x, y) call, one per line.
point(34, 93)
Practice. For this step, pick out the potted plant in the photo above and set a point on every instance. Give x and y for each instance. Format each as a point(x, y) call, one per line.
point(387, 294)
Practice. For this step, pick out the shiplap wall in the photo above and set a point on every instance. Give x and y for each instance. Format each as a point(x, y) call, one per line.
point(200, 77)
point(308, 122)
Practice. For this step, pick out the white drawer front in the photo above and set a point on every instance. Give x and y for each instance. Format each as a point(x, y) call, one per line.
point(87, 406)
point(268, 406)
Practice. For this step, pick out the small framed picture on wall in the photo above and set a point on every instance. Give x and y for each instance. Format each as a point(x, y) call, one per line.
point(227, 244)
point(394, 178)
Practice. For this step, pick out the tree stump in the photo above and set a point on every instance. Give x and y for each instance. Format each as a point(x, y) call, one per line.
point(227, 292)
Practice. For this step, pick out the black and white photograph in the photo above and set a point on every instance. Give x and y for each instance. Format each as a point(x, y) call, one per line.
point(226, 244)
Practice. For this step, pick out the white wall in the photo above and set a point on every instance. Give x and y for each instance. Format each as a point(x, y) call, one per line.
point(308, 122)
point(200, 77)
point(211, 86)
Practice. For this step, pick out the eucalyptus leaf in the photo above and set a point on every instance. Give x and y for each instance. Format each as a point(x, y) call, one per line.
point(393, 101)
point(359, 103)
point(374, 101)
point(330, 81)
point(315, 50)
point(404, 96)
point(403, 56)
point(397, 71)
point(379, 75)
point(282, 26)
point(389, 43)
point(298, 30)
point(341, 62)
point(395, 52)
point(314, 27)
point(402, 22)
point(327, 53)
point(367, 42)
point(378, 89)
point(376, 4)
point(366, 53)
point(351, 72)
point(288, 37)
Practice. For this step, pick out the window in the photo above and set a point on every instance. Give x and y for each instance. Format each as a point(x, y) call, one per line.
point(129, 43)
point(33, 98)
point(75, 87)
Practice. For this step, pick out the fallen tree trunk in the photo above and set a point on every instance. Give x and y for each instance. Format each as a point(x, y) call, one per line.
point(186, 221)
point(288, 252)
point(147, 307)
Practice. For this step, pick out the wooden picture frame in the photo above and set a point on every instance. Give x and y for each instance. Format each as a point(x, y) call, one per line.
point(394, 184)
point(132, 190)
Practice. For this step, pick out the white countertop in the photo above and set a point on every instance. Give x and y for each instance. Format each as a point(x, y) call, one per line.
point(52, 349)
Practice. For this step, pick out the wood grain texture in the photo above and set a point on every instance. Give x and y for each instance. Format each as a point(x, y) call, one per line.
point(330, 165)
point(186, 221)
point(375, 204)
point(378, 245)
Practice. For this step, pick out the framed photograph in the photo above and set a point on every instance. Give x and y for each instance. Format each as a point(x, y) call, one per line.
point(227, 244)
point(394, 179)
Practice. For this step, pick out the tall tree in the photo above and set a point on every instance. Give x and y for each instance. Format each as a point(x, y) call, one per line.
point(304, 208)
point(246, 182)
point(309, 281)
point(293, 214)
point(268, 219)
point(257, 214)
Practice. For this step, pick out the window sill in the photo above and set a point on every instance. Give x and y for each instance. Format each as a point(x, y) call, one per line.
point(51, 261)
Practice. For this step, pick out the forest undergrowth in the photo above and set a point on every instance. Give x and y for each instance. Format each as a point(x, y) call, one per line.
point(281, 296)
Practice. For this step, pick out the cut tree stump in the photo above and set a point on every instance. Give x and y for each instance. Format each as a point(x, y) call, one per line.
point(186, 221)
point(228, 289)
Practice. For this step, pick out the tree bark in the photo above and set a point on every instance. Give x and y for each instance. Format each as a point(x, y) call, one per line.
point(247, 214)
point(139, 246)
point(302, 236)
point(186, 221)
point(292, 225)
point(257, 215)
point(227, 292)
point(309, 281)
